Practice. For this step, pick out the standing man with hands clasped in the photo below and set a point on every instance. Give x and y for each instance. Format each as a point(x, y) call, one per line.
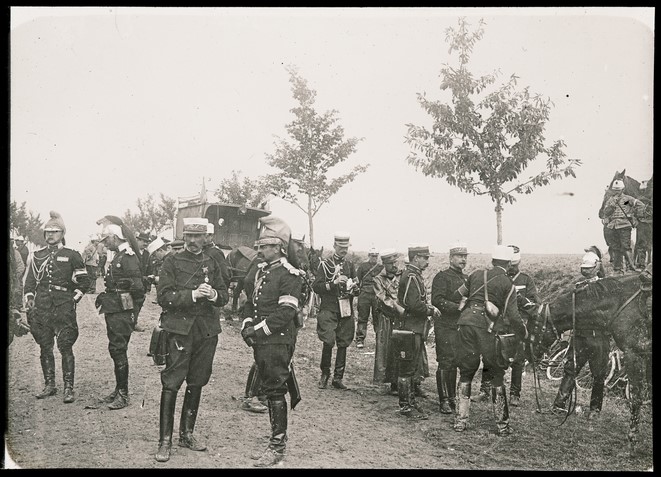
point(190, 285)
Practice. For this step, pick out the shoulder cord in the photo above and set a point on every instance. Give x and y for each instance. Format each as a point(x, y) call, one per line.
point(39, 271)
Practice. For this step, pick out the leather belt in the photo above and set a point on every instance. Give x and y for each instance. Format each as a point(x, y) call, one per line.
point(57, 287)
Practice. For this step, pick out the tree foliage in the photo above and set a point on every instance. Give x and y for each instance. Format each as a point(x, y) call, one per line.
point(484, 140)
point(152, 217)
point(316, 146)
point(243, 191)
point(26, 223)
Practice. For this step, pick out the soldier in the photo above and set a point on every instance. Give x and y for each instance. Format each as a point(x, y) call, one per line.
point(644, 230)
point(446, 297)
point(387, 310)
point(190, 284)
point(211, 249)
point(56, 281)
point(592, 344)
point(144, 240)
point(600, 272)
point(158, 250)
point(366, 298)
point(409, 331)
point(335, 284)
point(488, 312)
point(91, 259)
point(619, 212)
point(22, 248)
point(177, 245)
point(270, 328)
point(122, 299)
point(102, 252)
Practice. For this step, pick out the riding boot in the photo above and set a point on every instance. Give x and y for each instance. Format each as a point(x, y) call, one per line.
point(417, 388)
point(188, 417)
point(485, 388)
point(326, 356)
point(340, 364)
point(122, 379)
point(631, 266)
point(565, 389)
point(597, 395)
point(166, 424)
point(403, 390)
point(463, 407)
point(515, 389)
point(361, 333)
point(443, 391)
point(501, 410)
point(68, 370)
point(452, 387)
point(48, 368)
point(278, 442)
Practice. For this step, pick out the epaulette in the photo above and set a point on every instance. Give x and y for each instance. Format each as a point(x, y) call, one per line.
point(292, 269)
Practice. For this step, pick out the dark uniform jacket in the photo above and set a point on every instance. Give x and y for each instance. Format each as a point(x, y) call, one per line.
point(526, 294)
point(385, 289)
point(180, 274)
point(217, 254)
point(55, 274)
point(412, 295)
point(274, 298)
point(124, 275)
point(445, 294)
point(24, 252)
point(501, 293)
point(365, 274)
point(323, 283)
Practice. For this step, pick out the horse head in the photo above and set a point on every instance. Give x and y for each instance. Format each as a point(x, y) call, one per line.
point(298, 254)
point(315, 257)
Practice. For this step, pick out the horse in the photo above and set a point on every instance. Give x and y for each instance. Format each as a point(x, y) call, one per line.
point(616, 304)
point(239, 260)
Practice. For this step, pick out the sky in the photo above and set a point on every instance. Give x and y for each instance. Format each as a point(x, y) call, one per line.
point(109, 104)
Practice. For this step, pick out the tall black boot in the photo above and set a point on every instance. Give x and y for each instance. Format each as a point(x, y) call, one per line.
point(166, 424)
point(517, 377)
point(326, 356)
point(404, 392)
point(452, 387)
point(485, 387)
point(48, 368)
point(278, 442)
point(188, 417)
point(340, 364)
point(122, 378)
point(463, 407)
point(68, 371)
point(442, 383)
point(565, 389)
point(361, 333)
point(501, 410)
point(597, 395)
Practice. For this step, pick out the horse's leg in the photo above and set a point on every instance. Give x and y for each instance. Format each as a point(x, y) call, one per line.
point(634, 366)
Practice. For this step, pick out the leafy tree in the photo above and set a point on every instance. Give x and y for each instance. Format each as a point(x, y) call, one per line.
point(152, 217)
point(26, 223)
point(246, 191)
point(317, 145)
point(483, 141)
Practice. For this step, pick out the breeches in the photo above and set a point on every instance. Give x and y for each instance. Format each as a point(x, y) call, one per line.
point(331, 329)
point(366, 305)
point(621, 239)
point(119, 327)
point(273, 365)
point(189, 358)
point(446, 346)
point(475, 342)
point(57, 321)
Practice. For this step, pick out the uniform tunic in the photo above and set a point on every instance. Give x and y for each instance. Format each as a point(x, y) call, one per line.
point(475, 338)
point(191, 324)
point(55, 275)
point(412, 295)
point(366, 298)
point(124, 275)
point(446, 297)
point(274, 293)
point(331, 327)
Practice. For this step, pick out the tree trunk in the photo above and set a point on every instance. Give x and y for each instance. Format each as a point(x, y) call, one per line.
point(499, 223)
point(310, 221)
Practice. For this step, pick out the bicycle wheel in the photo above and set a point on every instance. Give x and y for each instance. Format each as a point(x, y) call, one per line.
point(585, 380)
point(556, 365)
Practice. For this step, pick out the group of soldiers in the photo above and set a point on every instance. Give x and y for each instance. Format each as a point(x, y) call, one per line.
point(477, 319)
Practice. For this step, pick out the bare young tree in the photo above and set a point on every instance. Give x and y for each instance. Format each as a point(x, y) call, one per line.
point(317, 145)
point(483, 141)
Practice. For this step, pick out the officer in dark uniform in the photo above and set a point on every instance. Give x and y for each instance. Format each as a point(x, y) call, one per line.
point(55, 282)
point(190, 284)
point(592, 344)
point(335, 283)
point(270, 327)
point(481, 320)
point(144, 240)
point(366, 298)
point(412, 295)
point(446, 297)
point(123, 297)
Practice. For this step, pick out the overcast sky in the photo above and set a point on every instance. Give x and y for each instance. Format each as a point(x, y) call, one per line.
point(111, 104)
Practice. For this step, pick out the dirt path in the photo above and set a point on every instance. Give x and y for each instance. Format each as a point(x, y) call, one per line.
point(358, 428)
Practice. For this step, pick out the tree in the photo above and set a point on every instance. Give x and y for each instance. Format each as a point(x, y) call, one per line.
point(253, 193)
point(26, 223)
point(317, 145)
point(483, 141)
point(152, 217)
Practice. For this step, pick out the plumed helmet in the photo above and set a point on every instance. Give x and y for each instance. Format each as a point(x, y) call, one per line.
point(55, 223)
point(274, 231)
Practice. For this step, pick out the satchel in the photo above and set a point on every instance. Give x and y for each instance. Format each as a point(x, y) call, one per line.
point(403, 344)
point(345, 307)
point(506, 348)
point(158, 345)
